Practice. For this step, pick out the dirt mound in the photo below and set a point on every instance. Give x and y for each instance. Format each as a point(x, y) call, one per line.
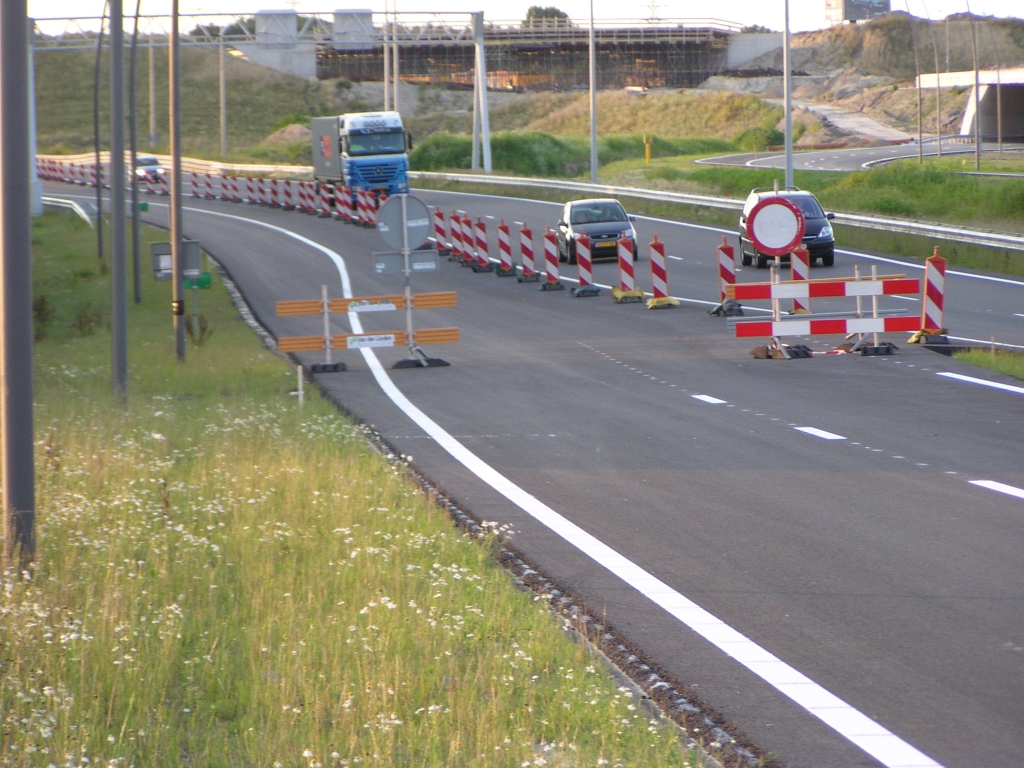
point(290, 134)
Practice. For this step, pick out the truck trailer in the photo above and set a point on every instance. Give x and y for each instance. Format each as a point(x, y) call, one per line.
point(362, 149)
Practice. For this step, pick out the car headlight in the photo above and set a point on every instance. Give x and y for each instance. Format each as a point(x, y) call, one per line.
point(630, 233)
point(825, 233)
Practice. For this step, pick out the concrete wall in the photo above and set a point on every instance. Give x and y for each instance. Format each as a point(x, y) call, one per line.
point(746, 47)
point(1012, 97)
point(353, 31)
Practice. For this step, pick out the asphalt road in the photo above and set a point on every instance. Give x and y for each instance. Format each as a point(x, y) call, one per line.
point(868, 561)
point(847, 159)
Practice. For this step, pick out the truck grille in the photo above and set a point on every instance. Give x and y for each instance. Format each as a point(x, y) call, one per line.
point(379, 173)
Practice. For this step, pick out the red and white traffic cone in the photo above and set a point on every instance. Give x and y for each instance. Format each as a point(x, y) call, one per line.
point(483, 259)
point(346, 205)
point(236, 193)
point(455, 236)
point(287, 201)
point(360, 207)
point(551, 279)
point(505, 267)
point(164, 188)
point(800, 269)
point(250, 191)
point(527, 263)
point(275, 192)
point(208, 187)
point(726, 276)
point(261, 192)
point(195, 185)
point(627, 290)
point(439, 239)
point(584, 269)
point(933, 298)
point(468, 241)
point(325, 201)
point(225, 188)
point(659, 277)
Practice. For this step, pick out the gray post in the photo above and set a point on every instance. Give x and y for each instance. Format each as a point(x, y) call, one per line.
point(387, 59)
point(394, 57)
point(133, 140)
point(96, 139)
point(36, 188)
point(173, 80)
point(223, 102)
point(118, 263)
point(938, 91)
point(481, 72)
point(593, 99)
point(18, 474)
point(474, 164)
point(977, 95)
point(920, 105)
point(153, 138)
point(787, 86)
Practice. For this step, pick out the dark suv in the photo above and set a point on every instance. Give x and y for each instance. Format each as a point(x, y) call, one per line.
point(818, 238)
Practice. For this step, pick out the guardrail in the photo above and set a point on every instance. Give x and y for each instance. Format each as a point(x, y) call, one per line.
point(934, 230)
point(87, 214)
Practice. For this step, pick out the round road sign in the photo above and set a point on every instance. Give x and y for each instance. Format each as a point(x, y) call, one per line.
point(417, 222)
point(775, 226)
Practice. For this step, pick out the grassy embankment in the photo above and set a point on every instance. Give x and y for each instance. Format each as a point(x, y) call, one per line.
point(1002, 361)
point(226, 580)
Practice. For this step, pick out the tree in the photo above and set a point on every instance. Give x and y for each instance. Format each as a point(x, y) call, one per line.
point(537, 16)
point(756, 29)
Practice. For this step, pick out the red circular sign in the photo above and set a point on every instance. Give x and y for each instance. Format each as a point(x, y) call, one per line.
point(775, 226)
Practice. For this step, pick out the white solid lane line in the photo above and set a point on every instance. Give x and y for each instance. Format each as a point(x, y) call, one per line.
point(820, 433)
point(708, 399)
point(885, 746)
point(982, 382)
point(992, 485)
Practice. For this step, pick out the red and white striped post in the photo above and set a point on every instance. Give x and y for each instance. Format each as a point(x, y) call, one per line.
point(468, 240)
point(347, 214)
point(225, 188)
point(726, 267)
point(800, 269)
point(195, 185)
point(439, 239)
point(286, 201)
point(529, 266)
point(300, 196)
point(325, 201)
point(361, 217)
point(659, 277)
point(314, 207)
point(551, 279)
point(505, 266)
point(149, 187)
point(934, 296)
point(261, 191)
point(164, 187)
point(483, 258)
point(584, 269)
point(250, 191)
point(455, 235)
point(275, 192)
point(92, 175)
point(207, 186)
point(627, 290)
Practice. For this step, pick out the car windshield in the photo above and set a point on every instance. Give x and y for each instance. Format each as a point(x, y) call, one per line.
point(146, 161)
point(593, 213)
point(376, 143)
point(808, 205)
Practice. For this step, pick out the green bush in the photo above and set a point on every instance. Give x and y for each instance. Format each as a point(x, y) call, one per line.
point(757, 139)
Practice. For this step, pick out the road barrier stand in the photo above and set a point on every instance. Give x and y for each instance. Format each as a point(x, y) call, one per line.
point(505, 266)
point(847, 323)
point(275, 192)
point(551, 280)
point(483, 259)
point(346, 214)
point(208, 186)
point(932, 330)
point(584, 269)
point(627, 290)
point(224, 188)
point(443, 249)
point(164, 189)
point(659, 277)
point(195, 185)
point(92, 175)
point(360, 217)
point(455, 237)
point(250, 191)
point(287, 200)
point(727, 306)
point(468, 240)
point(261, 191)
point(528, 272)
point(389, 303)
point(800, 269)
point(325, 201)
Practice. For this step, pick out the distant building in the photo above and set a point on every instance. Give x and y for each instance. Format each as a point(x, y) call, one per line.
point(841, 11)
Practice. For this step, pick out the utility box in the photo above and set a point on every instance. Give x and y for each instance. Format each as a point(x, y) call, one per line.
point(160, 253)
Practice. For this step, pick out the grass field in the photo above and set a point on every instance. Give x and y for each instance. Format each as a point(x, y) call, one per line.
point(224, 579)
point(1002, 361)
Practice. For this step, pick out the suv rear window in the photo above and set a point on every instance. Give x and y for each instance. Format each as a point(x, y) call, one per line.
point(593, 213)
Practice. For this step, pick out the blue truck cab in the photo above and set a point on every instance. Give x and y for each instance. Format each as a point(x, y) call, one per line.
point(362, 149)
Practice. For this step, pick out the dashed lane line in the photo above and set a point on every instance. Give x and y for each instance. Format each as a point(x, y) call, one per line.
point(821, 433)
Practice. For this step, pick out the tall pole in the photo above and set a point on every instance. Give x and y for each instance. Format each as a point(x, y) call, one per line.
point(153, 138)
point(118, 264)
point(36, 188)
point(223, 102)
point(977, 95)
point(920, 106)
point(133, 140)
point(999, 92)
point(18, 472)
point(938, 87)
point(387, 59)
point(96, 139)
point(173, 80)
point(481, 73)
point(787, 85)
point(394, 54)
point(593, 99)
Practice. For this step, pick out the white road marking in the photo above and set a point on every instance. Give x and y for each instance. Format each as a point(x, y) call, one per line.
point(877, 741)
point(708, 399)
point(820, 433)
point(982, 382)
point(992, 485)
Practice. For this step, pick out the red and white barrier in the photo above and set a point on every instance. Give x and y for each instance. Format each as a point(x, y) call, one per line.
point(208, 186)
point(225, 188)
point(455, 235)
point(346, 205)
point(287, 200)
point(274, 187)
point(726, 267)
point(527, 263)
point(934, 294)
point(164, 187)
point(803, 289)
point(325, 201)
point(468, 240)
point(361, 215)
point(195, 185)
point(800, 270)
point(551, 279)
point(505, 266)
point(440, 241)
point(659, 277)
point(483, 258)
point(584, 269)
point(627, 290)
point(779, 328)
point(149, 187)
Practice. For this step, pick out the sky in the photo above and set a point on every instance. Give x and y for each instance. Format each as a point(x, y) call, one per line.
point(804, 14)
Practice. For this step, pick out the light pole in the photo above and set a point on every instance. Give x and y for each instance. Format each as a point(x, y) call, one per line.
point(593, 99)
point(118, 261)
point(173, 78)
point(787, 85)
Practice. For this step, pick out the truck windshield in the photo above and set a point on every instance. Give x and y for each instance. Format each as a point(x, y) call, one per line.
point(376, 143)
